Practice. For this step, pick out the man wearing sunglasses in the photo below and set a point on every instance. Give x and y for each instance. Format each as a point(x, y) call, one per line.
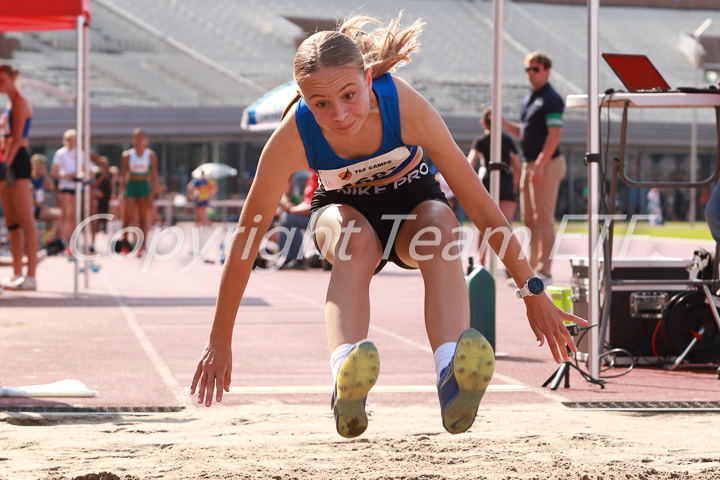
point(539, 131)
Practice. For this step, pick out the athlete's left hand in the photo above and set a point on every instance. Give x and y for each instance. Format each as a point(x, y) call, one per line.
point(547, 322)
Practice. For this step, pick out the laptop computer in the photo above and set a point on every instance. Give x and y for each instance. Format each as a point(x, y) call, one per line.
point(636, 72)
point(639, 75)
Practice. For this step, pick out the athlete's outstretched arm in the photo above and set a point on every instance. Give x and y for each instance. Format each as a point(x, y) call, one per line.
point(283, 154)
point(422, 125)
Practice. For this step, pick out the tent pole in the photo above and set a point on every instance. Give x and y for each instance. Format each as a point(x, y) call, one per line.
point(86, 150)
point(79, 89)
point(496, 125)
point(593, 149)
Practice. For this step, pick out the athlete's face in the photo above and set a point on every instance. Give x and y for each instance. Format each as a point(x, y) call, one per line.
point(339, 98)
point(139, 141)
point(39, 169)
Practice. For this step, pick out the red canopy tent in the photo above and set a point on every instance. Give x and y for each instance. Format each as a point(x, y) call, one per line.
point(37, 15)
point(34, 15)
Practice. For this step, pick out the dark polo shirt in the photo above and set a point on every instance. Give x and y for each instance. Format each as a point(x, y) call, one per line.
point(541, 109)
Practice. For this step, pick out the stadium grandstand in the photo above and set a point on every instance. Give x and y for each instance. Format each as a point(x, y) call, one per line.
point(185, 70)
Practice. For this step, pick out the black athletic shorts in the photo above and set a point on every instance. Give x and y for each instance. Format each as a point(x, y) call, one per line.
point(397, 198)
point(507, 187)
point(21, 165)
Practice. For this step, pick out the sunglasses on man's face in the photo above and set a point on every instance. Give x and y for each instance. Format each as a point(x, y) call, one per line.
point(534, 69)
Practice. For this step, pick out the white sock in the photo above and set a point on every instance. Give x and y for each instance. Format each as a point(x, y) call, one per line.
point(338, 356)
point(443, 355)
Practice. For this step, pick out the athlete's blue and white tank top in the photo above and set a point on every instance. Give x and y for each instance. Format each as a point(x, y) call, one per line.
point(335, 172)
point(38, 190)
point(7, 122)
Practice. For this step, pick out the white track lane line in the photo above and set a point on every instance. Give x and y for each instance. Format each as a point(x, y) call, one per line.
point(425, 348)
point(158, 363)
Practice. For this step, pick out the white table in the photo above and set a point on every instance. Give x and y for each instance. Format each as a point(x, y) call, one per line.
point(649, 100)
point(654, 100)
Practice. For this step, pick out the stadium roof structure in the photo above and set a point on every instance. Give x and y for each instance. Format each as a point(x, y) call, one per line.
point(227, 53)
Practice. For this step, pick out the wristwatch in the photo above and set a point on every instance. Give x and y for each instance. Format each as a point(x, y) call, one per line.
point(533, 286)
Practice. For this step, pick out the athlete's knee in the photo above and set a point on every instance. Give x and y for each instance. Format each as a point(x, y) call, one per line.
point(357, 244)
point(430, 242)
point(13, 226)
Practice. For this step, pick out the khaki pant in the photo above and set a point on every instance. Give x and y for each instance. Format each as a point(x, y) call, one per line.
point(537, 209)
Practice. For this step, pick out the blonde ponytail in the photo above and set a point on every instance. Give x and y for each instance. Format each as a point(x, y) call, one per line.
point(386, 46)
point(382, 49)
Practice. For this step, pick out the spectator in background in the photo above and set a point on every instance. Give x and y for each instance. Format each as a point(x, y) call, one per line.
point(114, 209)
point(100, 200)
point(137, 180)
point(655, 207)
point(41, 182)
point(200, 191)
point(510, 177)
point(15, 183)
point(293, 222)
point(539, 131)
point(64, 170)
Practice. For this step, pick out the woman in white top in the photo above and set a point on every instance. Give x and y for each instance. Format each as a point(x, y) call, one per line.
point(64, 169)
point(137, 184)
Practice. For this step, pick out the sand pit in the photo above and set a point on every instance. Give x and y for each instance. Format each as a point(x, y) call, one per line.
point(280, 441)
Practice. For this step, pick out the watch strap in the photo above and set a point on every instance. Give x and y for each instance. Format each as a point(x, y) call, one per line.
point(522, 292)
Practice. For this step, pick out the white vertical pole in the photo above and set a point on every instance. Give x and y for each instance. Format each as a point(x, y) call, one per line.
point(698, 52)
point(593, 145)
point(496, 125)
point(79, 110)
point(86, 146)
point(693, 166)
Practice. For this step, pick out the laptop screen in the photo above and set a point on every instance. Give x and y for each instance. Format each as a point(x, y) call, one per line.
point(636, 72)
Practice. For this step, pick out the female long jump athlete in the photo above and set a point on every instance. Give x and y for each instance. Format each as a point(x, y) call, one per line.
point(364, 131)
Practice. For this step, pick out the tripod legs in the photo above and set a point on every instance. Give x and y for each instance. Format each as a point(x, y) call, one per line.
point(563, 371)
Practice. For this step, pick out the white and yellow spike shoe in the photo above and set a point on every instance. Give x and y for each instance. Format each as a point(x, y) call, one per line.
point(464, 381)
point(358, 374)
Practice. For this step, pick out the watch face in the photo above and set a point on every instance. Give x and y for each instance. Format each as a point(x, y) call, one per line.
point(535, 285)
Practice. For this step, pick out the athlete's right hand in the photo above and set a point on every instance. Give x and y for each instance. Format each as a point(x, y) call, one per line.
point(213, 372)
